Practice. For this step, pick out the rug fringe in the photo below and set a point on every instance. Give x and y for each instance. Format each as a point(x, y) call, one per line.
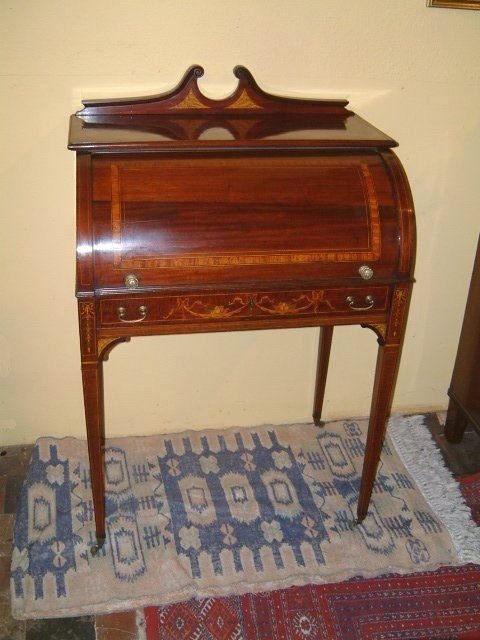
point(423, 460)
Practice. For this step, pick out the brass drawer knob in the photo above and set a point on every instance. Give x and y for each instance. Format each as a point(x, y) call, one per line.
point(366, 272)
point(370, 301)
point(122, 312)
point(131, 281)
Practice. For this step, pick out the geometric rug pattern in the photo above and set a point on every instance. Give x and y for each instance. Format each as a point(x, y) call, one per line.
point(215, 512)
point(440, 605)
point(444, 604)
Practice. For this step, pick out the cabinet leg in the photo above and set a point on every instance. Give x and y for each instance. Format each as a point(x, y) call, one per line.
point(388, 359)
point(323, 358)
point(92, 376)
point(455, 423)
point(385, 375)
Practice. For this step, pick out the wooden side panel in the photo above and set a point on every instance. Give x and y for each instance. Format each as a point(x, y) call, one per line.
point(406, 215)
point(85, 278)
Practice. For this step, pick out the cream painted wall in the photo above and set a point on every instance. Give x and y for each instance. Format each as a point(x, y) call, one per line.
point(411, 70)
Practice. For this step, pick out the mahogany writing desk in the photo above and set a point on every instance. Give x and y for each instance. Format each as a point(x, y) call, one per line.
point(251, 212)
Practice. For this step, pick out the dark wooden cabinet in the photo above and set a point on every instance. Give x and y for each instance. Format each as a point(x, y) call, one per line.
point(464, 391)
point(251, 212)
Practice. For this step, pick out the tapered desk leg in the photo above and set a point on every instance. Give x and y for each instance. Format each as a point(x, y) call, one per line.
point(388, 359)
point(92, 375)
point(323, 358)
point(385, 374)
point(92, 378)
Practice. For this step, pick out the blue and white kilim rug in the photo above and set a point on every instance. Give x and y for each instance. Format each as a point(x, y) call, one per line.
point(227, 512)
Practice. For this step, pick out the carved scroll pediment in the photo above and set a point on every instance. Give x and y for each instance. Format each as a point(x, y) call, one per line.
point(187, 97)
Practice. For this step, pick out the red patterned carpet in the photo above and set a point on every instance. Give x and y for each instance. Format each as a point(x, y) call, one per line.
point(440, 605)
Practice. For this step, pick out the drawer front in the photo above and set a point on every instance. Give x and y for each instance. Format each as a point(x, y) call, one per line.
point(176, 220)
point(155, 309)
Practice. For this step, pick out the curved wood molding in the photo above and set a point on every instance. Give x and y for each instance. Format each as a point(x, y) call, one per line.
point(406, 215)
point(187, 97)
point(105, 345)
point(380, 329)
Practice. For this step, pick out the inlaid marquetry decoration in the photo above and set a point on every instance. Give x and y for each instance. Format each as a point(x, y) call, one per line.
point(400, 300)
point(205, 310)
point(243, 101)
point(116, 217)
point(303, 303)
point(87, 327)
point(238, 306)
point(191, 101)
point(368, 251)
point(188, 97)
point(372, 213)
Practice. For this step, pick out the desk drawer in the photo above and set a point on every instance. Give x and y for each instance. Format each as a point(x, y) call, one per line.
point(207, 307)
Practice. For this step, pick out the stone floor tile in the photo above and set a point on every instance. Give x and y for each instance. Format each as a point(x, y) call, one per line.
point(117, 626)
point(3, 488)
point(6, 534)
point(10, 629)
point(14, 459)
point(82, 628)
point(5, 574)
point(14, 484)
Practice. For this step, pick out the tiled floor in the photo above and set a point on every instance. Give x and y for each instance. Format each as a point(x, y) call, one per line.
point(461, 458)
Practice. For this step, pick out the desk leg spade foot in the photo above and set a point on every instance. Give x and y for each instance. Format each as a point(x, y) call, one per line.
point(357, 522)
point(97, 547)
point(323, 358)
